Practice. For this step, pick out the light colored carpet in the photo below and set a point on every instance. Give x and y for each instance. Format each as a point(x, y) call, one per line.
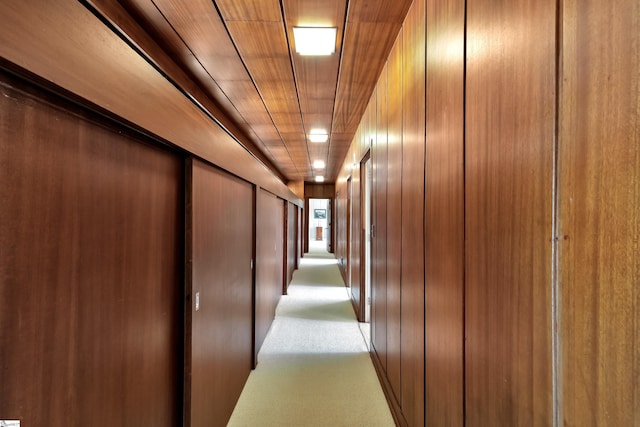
point(313, 368)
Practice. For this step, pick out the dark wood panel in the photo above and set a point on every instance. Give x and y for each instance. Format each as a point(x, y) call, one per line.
point(269, 256)
point(509, 134)
point(599, 214)
point(394, 215)
point(413, 164)
point(220, 221)
point(90, 285)
point(61, 48)
point(300, 222)
point(444, 213)
point(253, 10)
point(291, 237)
point(319, 191)
point(379, 248)
point(355, 240)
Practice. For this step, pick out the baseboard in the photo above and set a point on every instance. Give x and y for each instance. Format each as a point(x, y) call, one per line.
point(394, 405)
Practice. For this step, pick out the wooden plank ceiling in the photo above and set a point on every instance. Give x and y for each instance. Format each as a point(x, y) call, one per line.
point(241, 54)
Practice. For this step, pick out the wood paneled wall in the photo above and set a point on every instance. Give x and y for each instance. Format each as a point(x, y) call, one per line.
point(599, 214)
point(291, 227)
point(444, 213)
point(394, 212)
point(530, 204)
point(269, 257)
point(394, 129)
point(90, 269)
point(413, 166)
point(94, 315)
point(379, 220)
point(219, 335)
point(354, 274)
point(509, 155)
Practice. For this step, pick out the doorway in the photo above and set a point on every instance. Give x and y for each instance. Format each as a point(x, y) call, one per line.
point(319, 220)
point(366, 178)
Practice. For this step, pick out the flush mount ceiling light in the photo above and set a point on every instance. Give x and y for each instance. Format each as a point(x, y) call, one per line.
point(319, 178)
point(315, 41)
point(318, 135)
point(318, 164)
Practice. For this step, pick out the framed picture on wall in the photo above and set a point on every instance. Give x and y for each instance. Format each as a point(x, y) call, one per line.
point(320, 214)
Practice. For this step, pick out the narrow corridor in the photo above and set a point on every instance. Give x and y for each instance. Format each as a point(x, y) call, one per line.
point(314, 368)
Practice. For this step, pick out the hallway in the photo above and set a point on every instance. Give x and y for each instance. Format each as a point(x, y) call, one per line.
point(314, 368)
point(159, 166)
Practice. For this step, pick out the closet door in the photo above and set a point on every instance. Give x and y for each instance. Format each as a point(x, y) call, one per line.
point(219, 292)
point(90, 268)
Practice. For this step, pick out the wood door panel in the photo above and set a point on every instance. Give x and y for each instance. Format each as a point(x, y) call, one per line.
point(269, 258)
point(221, 232)
point(90, 284)
point(291, 238)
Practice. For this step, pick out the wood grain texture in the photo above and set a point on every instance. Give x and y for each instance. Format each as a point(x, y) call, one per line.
point(317, 77)
point(599, 214)
point(364, 231)
point(510, 109)
point(355, 239)
point(394, 214)
point(413, 164)
point(190, 27)
point(300, 248)
point(197, 82)
point(291, 239)
point(269, 256)
point(90, 315)
point(379, 247)
point(319, 191)
point(221, 218)
point(58, 43)
point(444, 213)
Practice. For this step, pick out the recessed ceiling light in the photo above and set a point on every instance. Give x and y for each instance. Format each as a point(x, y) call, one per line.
point(316, 41)
point(318, 164)
point(318, 135)
point(319, 178)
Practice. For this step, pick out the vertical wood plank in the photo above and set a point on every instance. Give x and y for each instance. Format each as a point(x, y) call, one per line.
point(394, 216)
point(413, 164)
point(510, 109)
point(444, 250)
point(599, 219)
point(379, 258)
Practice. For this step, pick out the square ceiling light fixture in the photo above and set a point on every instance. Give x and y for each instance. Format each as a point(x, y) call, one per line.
point(318, 164)
point(318, 135)
point(319, 178)
point(315, 41)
